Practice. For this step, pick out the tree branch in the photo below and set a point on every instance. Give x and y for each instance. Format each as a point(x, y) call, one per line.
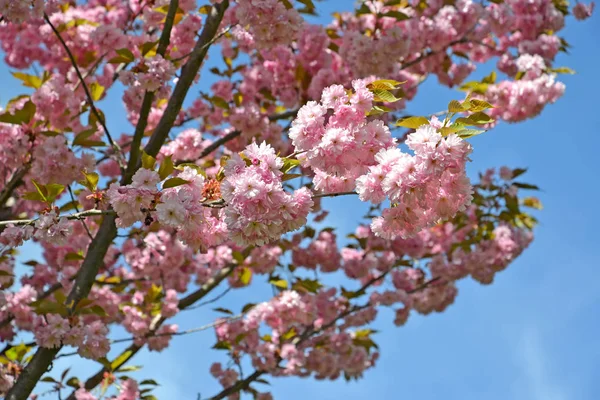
point(80, 216)
point(140, 128)
point(108, 230)
point(188, 74)
point(184, 303)
point(83, 84)
point(14, 182)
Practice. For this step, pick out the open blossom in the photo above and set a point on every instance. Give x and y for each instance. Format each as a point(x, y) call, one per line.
point(21, 10)
point(423, 188)
point(583, 11)
point(269, 22)
point(339, 148)
point(51, 229)
point(258, 209)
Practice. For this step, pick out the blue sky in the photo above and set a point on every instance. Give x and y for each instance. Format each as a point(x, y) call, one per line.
point(532, 335)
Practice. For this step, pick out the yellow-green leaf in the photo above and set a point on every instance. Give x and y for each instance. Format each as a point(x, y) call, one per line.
point(166, 168)
point(280, 283)
point(148, 161)
point(384, 95)
point(173, 182)
point(96, 90)
point(412, 122)
point(31, 81)
point(245, 276)
point(22, 116)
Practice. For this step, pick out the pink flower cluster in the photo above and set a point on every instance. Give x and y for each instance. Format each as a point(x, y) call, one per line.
point(525, 98)
point(422, 188)
point(18, 11)
point(128, 390)
point(583, 11)
point(90, 339)
point(335, 138)
point(55, 162)
point(258, 209)
point(178, 207)
point(289, 312)
point(269, 22)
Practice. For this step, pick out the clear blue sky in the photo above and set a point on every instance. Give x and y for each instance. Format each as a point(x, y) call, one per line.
point(532, 335)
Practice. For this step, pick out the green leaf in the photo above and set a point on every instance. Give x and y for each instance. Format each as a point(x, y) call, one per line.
point(280, 283)
point(220, 102)
point(478, 118)
point(166, 168)
point(518, 172)
point(396, 14)
point(149, 382)
point(222, 345)
point(31, 81)
point(287, 177)
point(289, 334)
point(129, 368)
point(468, 133)
point(309, 285)
point(512, 204)
point(532, 202)
point(223, 310)
point(50, 307)
point(193, 166)
point(562, 70)
point(475, 87)
point(378, 110)
point(22, 116)
point(289, 164)
point(120, 360)
point(527, 186)
point(455, 106)
point(412, 122)
point(74, 257)
point(90, 180)
point(384, 95)
point(352, 294)
point(17, 353)
point(126, 53)
point(491, 78)
point(238, 257)
point(174, 182)
point(41, 189)
point(245, 276)
point(73, 382)
point(48, 379)
point(96, 90)
point(248, 307)
point(479, 105)
point(148, 161)
point(53, 190)
point(82, 139)
point(385, 84)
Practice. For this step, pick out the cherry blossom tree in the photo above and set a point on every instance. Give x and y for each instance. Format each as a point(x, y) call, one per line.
point(215, 189)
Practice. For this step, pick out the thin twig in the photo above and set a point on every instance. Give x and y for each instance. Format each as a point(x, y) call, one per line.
point(316, 196)
point(79, 215)
point(83, 84)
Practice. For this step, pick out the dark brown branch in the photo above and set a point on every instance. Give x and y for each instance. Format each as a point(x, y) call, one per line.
point(140, 128)
point(133, 349)
point(14, 182)
point(108, 230)
point(188, 74)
